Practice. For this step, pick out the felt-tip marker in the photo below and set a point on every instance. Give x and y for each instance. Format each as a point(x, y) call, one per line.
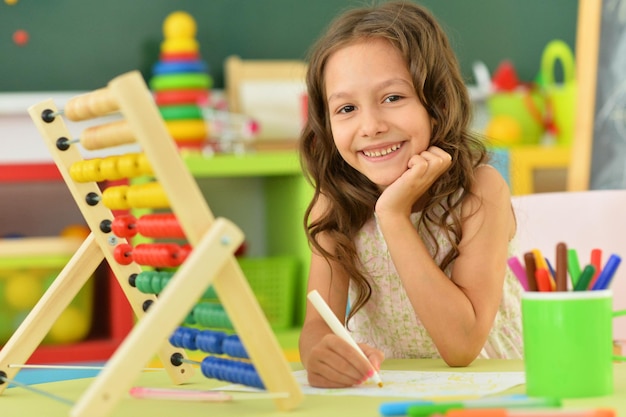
point(543, 413)
point(606, 275)
point(335, 325)
point(426, 408)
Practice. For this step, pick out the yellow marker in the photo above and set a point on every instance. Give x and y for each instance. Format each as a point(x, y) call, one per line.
point(542, 263)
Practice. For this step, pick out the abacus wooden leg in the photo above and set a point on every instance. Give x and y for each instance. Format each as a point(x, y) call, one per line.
point(59, 295)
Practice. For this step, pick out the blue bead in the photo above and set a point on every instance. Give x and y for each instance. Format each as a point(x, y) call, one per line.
point(189, 338)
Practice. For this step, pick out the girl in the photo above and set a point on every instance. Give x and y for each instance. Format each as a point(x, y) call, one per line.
point(407, 222)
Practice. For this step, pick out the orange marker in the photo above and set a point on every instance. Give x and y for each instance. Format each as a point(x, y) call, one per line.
point(501, 412)
point(544, 283)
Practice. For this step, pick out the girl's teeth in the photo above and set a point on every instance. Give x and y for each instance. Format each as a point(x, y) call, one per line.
point(382, 152)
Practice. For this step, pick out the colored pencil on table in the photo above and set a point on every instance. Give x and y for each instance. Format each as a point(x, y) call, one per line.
point(531, 266)
point(561, 267)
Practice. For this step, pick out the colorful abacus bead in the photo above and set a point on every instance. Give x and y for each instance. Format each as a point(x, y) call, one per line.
point(185, 337)
point(211, 342)
point(211, 315)
point(123, 254)
point(231, 371)
point(232, 346)
point(158, 254)
point(124, 226)
point(153, 282)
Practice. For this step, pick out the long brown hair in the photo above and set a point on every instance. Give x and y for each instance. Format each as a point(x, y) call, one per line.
point(439, 85)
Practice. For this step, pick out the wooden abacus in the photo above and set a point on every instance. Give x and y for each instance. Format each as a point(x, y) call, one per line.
point(207, 261)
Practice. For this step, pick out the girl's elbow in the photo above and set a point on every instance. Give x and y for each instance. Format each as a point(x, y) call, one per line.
point(458, 361)
point(459, 357)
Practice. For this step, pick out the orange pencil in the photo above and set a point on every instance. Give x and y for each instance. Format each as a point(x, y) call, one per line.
point(561, 267)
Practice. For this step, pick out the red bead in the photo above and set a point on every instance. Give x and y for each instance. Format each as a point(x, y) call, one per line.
point(185, 250)
point(157, 254)
point(124, 226)
point(160, 225)
point(123, 254)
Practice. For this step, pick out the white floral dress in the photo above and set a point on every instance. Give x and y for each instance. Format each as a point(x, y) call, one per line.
point(388, 322)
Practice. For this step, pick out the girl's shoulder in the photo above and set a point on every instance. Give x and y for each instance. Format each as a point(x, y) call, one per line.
point(489, 180)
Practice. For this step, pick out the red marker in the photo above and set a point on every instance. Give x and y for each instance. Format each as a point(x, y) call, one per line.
point(596, 261)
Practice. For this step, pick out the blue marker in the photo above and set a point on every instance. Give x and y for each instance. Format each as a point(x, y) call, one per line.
point(606, 275)
point(510, 401)
point(400, 408)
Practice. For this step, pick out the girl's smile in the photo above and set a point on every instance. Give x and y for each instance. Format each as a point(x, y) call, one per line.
point(381, 152)
point(377, 120)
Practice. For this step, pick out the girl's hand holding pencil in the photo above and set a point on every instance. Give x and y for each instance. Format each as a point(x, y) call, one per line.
point(536, 273)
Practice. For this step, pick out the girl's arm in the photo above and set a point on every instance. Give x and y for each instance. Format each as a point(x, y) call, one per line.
point(330, 361)
point(458, 313)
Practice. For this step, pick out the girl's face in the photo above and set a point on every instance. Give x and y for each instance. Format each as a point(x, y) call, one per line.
point(377, 120)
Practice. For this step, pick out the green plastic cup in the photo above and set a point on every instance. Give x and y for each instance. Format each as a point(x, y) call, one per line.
point(568, 343)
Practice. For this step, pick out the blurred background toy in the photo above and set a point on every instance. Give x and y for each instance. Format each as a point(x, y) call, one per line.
point(181, 82)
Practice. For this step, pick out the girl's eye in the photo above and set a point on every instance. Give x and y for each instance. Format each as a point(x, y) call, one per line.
point(393, 98)
point(346, 109)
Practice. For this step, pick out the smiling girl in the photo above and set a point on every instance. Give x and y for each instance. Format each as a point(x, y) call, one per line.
point(409, 227)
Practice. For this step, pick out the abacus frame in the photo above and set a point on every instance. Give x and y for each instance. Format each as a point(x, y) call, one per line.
point(211, 262)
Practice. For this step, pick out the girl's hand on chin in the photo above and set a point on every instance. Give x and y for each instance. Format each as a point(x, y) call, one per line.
point(423, 170)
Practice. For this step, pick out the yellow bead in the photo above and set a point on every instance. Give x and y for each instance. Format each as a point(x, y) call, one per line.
point(143, 164)
point(76, 172)
point(127, 165)
point(91, 170)
point(109, 170)
point(115, 197)
point(149, 195)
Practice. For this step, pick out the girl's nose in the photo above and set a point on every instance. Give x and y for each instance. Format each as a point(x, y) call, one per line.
point(372, 123)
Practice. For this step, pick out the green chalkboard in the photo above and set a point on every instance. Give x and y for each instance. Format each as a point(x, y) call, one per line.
point(82, 44)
